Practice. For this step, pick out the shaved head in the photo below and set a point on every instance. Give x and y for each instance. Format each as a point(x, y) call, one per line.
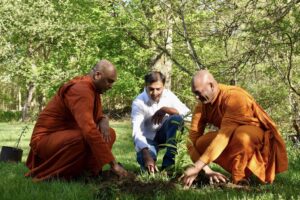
point(203, 77)
point(104, 74)
point(105, 66)
point(204, 86)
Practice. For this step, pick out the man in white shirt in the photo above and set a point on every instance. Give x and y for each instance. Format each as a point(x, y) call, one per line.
point(156, 116)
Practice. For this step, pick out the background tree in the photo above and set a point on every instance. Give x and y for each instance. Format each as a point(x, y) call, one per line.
point(253, 44)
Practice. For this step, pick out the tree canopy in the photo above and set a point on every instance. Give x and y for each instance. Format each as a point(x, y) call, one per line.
point(253, 44)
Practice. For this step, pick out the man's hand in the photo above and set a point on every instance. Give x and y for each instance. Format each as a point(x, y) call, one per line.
point(191, 174)
point(103, 126)
point(118, 170)
point(149, 162)
point(158, 116)
point(215, 177)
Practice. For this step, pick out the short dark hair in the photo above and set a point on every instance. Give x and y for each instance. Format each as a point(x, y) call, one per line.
point(154, 76)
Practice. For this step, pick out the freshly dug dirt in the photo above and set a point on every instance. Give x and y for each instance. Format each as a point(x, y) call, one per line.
point(111, 185)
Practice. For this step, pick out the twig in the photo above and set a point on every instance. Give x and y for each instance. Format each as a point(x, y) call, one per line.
point(24, 130)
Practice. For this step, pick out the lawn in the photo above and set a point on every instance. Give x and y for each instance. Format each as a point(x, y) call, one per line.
point(13, 184)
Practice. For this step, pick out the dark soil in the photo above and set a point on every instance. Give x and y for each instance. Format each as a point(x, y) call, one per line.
point(111, 186)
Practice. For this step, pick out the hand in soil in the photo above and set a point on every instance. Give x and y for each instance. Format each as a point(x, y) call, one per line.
point(189, 176)
point(119, 170)
point(150, 164)
point(216, 177)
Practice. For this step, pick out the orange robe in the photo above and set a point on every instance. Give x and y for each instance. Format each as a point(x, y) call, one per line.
point(247, 140)
point(65, 140)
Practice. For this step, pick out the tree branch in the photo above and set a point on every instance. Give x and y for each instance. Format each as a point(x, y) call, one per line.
point(290, 65)
point(188, 41)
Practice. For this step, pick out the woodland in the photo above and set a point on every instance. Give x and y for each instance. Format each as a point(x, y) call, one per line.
point(254, 44)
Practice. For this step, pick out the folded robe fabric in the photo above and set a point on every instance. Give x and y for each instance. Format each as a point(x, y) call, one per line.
point(234, 107)
point(65, 139)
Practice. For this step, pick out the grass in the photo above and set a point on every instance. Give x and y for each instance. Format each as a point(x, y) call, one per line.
point(13, 184)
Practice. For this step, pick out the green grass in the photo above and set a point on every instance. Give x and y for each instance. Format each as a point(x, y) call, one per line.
point(13, 184)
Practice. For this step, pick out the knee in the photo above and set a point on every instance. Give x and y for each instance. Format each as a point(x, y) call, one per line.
point(241, 138)
point(249, 136)
point(176, 119)
point(77, 143)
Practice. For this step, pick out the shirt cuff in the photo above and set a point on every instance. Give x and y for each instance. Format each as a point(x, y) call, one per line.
point(139, 145)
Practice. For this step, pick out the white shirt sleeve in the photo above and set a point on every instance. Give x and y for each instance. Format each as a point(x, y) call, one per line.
point(137, 118)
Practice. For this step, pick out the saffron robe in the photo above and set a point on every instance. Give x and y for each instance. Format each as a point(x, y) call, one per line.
point(247, 140)
point(65, 140)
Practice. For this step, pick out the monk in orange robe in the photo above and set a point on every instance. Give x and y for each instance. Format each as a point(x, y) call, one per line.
point(71, 134)
point(246, 142)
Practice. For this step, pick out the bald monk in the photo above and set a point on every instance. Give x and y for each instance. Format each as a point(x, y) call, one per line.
point(71, 134)
point(246, 142)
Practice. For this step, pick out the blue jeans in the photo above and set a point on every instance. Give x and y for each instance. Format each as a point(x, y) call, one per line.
point(164, 136)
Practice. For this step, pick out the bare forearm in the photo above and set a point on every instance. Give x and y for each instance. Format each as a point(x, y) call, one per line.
point(170, 111)
point(200, 165)
point(146, 152)
point(207, 169)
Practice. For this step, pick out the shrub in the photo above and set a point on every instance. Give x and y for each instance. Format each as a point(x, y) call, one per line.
point(6, 116)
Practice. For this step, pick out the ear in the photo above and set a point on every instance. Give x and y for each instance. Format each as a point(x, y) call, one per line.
point(97, 75)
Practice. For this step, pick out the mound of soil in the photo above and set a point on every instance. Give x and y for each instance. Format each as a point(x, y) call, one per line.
point(110, 186)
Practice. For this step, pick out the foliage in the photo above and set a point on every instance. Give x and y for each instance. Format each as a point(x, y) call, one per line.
point(7, 116)
point(253, 44)
point(49, 42)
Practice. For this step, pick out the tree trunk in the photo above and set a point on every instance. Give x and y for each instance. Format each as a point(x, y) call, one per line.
point(295, 118)
point(28, 101)
point(40, 99)
point(234, 80)
point(3, 101)
point(294, 101)
point(164, 63)
point(19, 100)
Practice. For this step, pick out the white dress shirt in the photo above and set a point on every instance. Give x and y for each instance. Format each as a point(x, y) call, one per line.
point(143, 108)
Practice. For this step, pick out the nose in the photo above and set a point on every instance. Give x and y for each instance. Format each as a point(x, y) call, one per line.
point(155, 92)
